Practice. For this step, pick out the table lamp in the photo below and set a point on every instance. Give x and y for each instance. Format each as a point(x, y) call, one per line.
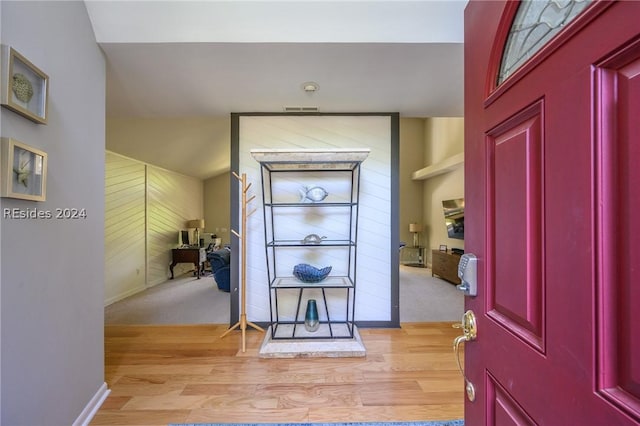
point(415, 229)
point(197, 224)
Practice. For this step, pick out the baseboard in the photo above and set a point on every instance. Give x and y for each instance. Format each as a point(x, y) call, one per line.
point(93, 406)
point(124, 295)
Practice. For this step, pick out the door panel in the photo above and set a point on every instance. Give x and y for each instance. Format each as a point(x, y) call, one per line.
point(515, 292)
point(618, 95)
point(552, 189)
point(503, 409)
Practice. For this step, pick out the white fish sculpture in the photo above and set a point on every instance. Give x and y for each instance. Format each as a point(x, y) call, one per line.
point(312, 194)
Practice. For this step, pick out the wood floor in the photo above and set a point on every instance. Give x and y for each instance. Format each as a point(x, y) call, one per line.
point(188, 374)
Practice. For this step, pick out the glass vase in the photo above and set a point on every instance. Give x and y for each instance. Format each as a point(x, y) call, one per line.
point(311, 320)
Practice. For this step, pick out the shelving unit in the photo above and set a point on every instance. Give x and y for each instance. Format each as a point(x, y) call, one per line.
point(288, 175)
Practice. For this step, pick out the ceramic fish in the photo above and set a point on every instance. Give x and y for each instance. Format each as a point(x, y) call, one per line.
point(310, 274)
point(312, 194)
point(313, 239)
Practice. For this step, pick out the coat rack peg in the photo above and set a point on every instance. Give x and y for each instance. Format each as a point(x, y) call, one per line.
point(243, 282)
point(251, 212)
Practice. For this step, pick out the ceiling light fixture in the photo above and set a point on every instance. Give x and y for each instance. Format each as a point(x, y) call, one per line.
point(310, 86)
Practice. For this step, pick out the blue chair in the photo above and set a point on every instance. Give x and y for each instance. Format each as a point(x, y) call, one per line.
point(220, 267)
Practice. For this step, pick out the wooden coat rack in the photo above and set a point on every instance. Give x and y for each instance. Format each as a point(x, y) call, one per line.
point(243, 281)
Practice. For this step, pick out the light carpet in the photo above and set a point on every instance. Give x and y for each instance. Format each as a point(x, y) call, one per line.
point(459, 422)
point(424, 298)
point(187, 300)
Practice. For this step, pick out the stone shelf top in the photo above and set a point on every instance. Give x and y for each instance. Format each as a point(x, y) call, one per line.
point(314, 159)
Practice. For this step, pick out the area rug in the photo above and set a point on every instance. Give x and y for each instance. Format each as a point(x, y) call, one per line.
point(429, 423)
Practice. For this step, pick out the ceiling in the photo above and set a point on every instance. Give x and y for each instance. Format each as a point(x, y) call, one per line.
point(178, 59)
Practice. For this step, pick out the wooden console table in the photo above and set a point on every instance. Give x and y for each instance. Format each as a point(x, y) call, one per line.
point(445, 265)
point(195, 255)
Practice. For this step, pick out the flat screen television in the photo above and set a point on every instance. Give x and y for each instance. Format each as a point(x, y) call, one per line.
point(454, 217)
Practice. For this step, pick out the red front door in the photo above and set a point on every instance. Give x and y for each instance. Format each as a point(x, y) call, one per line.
point(552, 194)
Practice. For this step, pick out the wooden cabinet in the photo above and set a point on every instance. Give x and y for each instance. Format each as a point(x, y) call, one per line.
point(445, 265)
point(195, 255)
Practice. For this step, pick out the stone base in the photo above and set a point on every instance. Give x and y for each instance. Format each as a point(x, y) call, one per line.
point(312, 348)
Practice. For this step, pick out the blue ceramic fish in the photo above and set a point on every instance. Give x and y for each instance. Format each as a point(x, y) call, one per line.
point(312, 194)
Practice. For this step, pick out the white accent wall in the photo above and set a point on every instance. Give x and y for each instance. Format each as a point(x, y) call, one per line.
point(374, 292)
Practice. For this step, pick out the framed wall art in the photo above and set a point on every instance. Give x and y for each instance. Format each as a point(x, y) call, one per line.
point(24, 171)
point(25, 87)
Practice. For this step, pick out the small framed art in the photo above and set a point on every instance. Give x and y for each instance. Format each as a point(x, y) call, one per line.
point(25, 87)
point(443, 247)
point(24, 171)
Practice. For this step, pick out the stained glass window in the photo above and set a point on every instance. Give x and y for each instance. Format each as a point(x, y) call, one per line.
point(535, 23)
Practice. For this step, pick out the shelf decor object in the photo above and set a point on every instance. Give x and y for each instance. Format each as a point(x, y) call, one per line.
point(24, 171)
point(311, 320)
point(243, 282)
point(310, 274)
point(328, 202)
point(25, 87)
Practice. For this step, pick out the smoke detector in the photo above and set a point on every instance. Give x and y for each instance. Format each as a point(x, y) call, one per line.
point(310, 86)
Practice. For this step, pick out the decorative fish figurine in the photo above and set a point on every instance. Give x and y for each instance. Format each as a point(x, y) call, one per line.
point(313, 239)
point(312, 194)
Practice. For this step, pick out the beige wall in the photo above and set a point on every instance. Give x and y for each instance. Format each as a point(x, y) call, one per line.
point(217, 206)
point(189, 141)
point(443, 138)
point(412, 147)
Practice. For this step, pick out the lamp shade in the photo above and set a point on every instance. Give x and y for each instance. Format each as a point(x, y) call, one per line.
point(197, 223)
point(415, 227)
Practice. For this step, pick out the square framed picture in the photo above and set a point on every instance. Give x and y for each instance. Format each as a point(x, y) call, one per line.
point(25, 87)
point(24, 171)
point(443, 247)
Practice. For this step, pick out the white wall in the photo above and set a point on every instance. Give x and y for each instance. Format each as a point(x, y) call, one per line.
point(374, 292)
point(52, 270)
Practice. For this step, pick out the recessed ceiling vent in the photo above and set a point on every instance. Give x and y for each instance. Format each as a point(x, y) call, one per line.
point(301, 109)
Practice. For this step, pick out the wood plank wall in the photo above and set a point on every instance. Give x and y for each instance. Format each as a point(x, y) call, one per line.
point(145, 208)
